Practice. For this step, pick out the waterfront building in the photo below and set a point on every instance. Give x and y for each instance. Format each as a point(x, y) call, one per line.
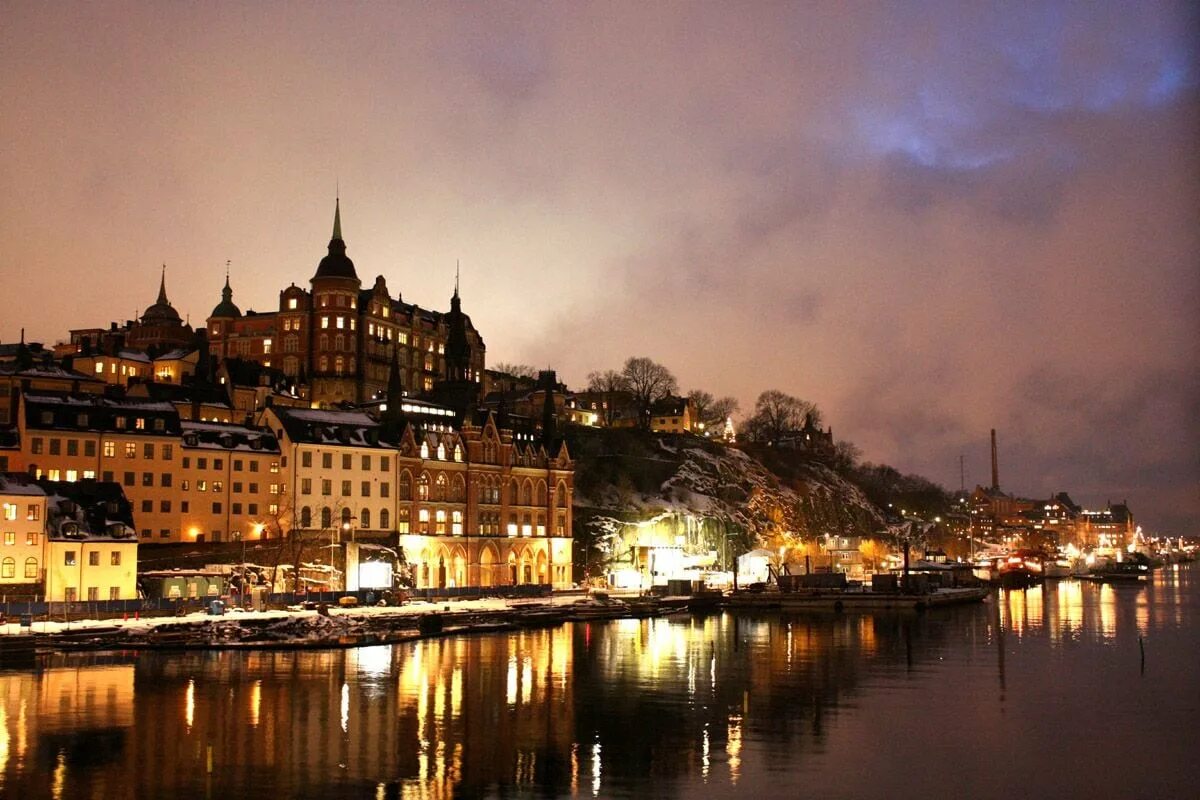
point(341, 338)
point(91, 545)
point(470, 504)
point(22, 535)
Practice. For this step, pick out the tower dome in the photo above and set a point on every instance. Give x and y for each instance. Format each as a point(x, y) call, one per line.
point(162, 312)
point(336, 264)
point(226, 307)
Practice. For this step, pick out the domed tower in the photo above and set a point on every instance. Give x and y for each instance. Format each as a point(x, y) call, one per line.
point(220, 321)
point(160, 327)
point(334, 327)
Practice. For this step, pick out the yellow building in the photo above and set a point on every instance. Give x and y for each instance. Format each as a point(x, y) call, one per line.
point(91, 545)
point(22, 534)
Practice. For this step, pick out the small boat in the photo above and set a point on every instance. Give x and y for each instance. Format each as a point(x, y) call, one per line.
point(1020, 569)
point(1120, 572)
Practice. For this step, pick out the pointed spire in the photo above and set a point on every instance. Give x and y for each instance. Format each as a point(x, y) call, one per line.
point(337, 218)
point(162, 288)
point(456, 268)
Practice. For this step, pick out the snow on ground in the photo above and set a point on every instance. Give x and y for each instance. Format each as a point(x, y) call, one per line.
point(40, 625)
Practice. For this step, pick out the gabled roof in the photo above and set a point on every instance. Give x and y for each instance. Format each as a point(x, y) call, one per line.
point(88, 510)
point(219, 436)
point(337, 428)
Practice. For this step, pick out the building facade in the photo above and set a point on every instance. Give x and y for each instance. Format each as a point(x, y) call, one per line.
point(339, 337)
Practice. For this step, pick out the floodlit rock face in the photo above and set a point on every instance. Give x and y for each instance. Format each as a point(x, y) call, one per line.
point(641, 490)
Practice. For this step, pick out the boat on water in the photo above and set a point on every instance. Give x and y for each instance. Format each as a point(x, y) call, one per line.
point(1120, 572)
point(859, 600)
point(1020, 569)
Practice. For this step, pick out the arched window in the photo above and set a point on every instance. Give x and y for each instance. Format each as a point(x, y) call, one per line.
point(423, 486)
point(8, 567)
point(364, 518)
point(346, 517)
point(324, 364)
point(339, 342)
point(561, 493)
point(323, 341)
point(385, 520)
point(514, 492)
point(326, 517)
point(439, 490)
point(441, 452)
point(541, 493)
point(339, 365)
point(31, 567)
point(458, 490)
point(305, 517)
point(424, 449)
point(527, 494)
point(405, 486)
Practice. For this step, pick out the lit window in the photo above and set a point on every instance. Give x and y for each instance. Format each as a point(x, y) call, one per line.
point(291, 302)
point(324, 322)
point(341, 322)
point(267, 346)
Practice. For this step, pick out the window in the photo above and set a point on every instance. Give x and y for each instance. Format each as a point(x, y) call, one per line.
point(140, 423)
point(31, 538)
point(147, 479)
point(366, 462)
point(114, 593)
point(366, 488)
point(364, 518)
point(167, 452)
point(110, 449)
point(94, 558)
point(148, 450)
point(201, 463)
point(185, 506)
point(423, 520)
point(10, 537)
point(128, 479)
point(218, 463)
point(31, 567)
point(35, 445)
point(237, 465)
point(306, 486)
point(185, 485)
point(326, 487)
point(327, 460)
point(93, 594)
point(70, 594)
point(216, 507)
point(10, 511)
point(273, 490)
point(237, 508)
point(218, 486)
point(130, 450)
point(347, 461)
point(147, 506)
point(384, 489)
point(187, 462)
point(237, 487)
point(201, 486)
point(165, 479)
point(326, 517)
point(405, 486)
point(345, 488)
point(56, 447)
point(114, 558)
point(72, 447)
point(385, 463)
point(274, 466)
point(164, 506)
point(306, 458)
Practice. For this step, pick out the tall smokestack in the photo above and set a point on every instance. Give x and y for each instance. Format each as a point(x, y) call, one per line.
point(995, 465)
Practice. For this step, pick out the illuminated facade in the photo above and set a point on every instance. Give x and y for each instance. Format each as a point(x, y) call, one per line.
point(470, 506)
point(341, 338)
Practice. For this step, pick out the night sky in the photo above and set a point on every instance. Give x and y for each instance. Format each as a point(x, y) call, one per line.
point(930, 219)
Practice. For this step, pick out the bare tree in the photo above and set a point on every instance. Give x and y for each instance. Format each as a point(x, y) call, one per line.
point(648, 381)
point(777, 414)
point(712, 411)
point(515, 370)
point(607, 384)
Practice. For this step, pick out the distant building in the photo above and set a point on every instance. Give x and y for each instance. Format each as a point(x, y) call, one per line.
point(158, 330)
point(673, 415)
point(91, 545)
point(342, 339)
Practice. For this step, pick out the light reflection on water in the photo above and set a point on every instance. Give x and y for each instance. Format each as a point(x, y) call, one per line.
point(1037, 680)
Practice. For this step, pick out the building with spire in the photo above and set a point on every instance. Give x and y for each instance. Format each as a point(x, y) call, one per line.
point(344, 340)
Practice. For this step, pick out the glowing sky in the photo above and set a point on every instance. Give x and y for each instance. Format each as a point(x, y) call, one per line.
point(930, 218)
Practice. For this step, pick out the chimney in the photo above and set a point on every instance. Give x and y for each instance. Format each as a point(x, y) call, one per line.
point(995, 465)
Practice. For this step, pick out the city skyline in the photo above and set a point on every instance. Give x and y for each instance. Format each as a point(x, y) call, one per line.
point(930, 225)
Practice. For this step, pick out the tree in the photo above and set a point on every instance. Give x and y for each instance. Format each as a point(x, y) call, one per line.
point(777, 414)
point(845, 456)
point(515, 370)
point(607, 384)
point(712, 411)
point(648, 381)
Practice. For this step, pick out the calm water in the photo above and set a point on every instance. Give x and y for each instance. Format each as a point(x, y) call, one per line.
point(1036, 693)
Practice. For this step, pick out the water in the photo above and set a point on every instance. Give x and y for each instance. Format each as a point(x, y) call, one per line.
point(1035, 693)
